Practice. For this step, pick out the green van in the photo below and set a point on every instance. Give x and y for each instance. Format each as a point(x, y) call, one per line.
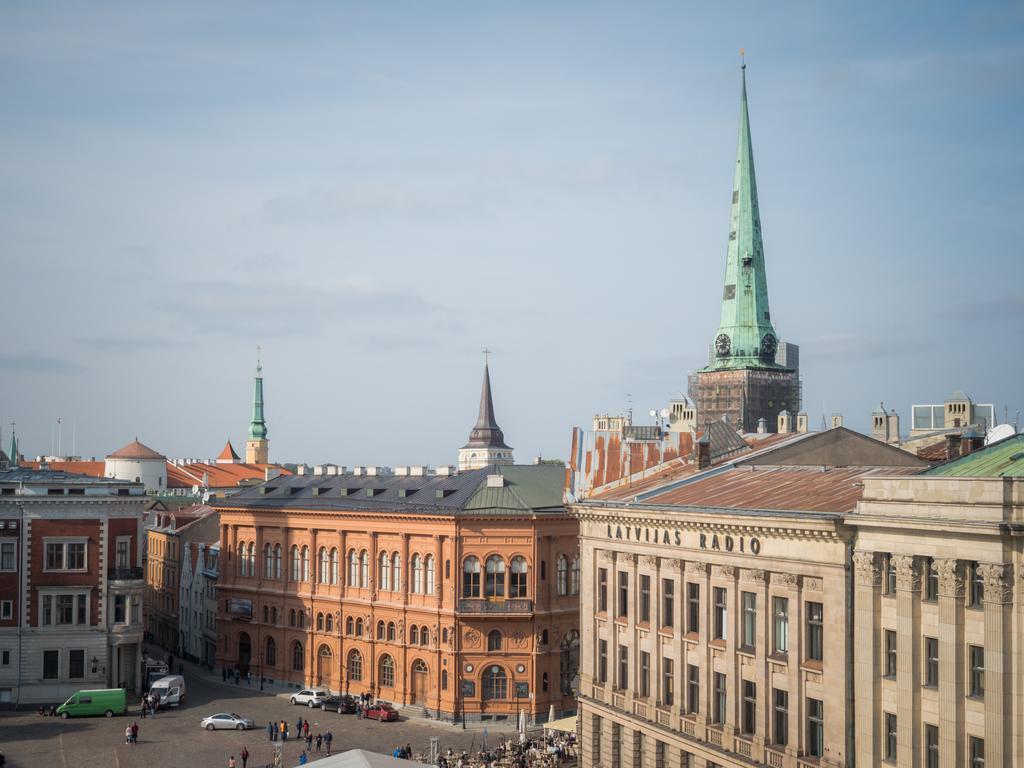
point(102, 701)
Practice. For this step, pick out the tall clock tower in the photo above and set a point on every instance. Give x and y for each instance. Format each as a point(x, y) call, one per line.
point(257, 447)
point(751, 374)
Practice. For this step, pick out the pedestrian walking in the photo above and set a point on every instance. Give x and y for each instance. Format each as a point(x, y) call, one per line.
point(328, 738)
point(143, 706)
point(224, 674)
point(128, 734)
point(244, 754)
point(135, 733)
point(284, 731)
point(303, 759)
point(305, 727)
point(231, 762)
point(248, 677)
point(298, 728)
point(270, 731)
point(319, 741)
point(238, 676)
point(309, 741)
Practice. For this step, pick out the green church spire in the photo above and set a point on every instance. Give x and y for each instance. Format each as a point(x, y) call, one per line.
point(745, 336)
point(13, 455)
point(258, 427)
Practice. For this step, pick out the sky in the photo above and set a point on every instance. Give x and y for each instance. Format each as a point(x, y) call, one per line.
point(374, 192)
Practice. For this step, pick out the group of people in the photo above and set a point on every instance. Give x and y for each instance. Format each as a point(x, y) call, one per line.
point(44, 712)
point(235, 673)
point(131, 734)
point(547, 752)
point(281, 730)
point(403, 753)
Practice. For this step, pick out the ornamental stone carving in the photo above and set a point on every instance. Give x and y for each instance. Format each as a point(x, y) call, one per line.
point(693, 566)
point(868, 572)
point(628, 557)
point(472, 638)
point(813, 584)
point(649, 561)
point(673, 563)
point(788, 580)
point(908, 573)
point(755, 575)
point(998, 582)
point(605, 556)
point(951, 578)
point(724, 571)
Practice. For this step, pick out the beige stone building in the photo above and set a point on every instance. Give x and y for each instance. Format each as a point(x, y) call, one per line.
point(938, 614)
point(716, 603)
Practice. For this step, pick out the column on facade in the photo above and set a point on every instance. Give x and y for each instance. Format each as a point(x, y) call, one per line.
point(867, 655)
point(314, 554)
point(372, 570)
point(261, 561)
point(232, 552)
point(610, 743)
point(439, 582)
point(998, 663)
point(755, 580)
point(951, 663)
point(790, 583)
point(908, 660)
point(343, 563)
point(404, 586)
point(649, 564)
point(590, 737)
point(728, 576)
point(697, 573)
point(628, 560)
point(675, 757)
point(674, 569)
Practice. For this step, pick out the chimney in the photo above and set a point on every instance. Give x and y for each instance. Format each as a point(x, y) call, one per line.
point(893, 427)
point(801, 423)
point(784, 422)
point(837, 420)
point(703, 453)
point(971, 442)
point(952, 447)
point(762, 426)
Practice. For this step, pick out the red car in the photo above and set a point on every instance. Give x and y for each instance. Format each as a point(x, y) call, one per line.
point(381, 711)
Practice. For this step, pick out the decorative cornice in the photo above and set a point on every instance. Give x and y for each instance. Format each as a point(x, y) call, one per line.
point(998, 582)
point(868, 571)
point(951, 578)
point(908, 573)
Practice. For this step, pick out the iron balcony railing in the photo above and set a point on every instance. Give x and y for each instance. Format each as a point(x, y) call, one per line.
point(511, 605)
point(124, 573)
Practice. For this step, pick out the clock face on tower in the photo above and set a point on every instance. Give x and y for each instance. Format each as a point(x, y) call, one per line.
point(768, 346)
point(723, 346)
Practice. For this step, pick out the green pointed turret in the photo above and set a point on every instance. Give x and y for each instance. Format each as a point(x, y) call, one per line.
point(258, 427)
point(745, 336)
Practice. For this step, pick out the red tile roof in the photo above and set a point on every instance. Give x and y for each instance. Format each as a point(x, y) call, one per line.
point(228, 453)
point(91, 468)
point(135, 450)
point(217, 475)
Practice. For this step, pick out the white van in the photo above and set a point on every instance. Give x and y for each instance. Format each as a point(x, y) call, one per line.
point(170, 689)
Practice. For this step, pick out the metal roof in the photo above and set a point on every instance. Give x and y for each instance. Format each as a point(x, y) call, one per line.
point(525, 489)
point(1002, 459)
point(49, 477)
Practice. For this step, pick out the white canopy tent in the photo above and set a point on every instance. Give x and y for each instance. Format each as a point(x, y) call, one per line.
point(361, 758)
point(565, 725)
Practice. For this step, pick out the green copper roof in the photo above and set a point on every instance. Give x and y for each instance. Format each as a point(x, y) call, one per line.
point(1002, 459)
point(258, 427)
point(745, 336)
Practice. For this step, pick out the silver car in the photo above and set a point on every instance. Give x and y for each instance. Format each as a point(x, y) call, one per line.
point(226, 720)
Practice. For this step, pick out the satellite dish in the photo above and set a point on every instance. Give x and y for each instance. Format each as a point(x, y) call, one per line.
point(653, 412)
point(1000, 432)
point(664, 413)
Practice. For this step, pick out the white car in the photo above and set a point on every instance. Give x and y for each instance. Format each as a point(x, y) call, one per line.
point(226, 721)
point(311, 697)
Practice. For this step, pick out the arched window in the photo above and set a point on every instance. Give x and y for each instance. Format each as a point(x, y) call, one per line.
point(396, 572)
point(495, 683)
point(424, 636)
point(319, 622)
point(517, 577)
point(305, 563)
point(391, 631)
point(494, 640)
point(296, 573)
point(544, 637)
point(273, 616)
point(562, 575)
point(428, 587)
point(298, 658)
point(277, 561)
point(268, 562)
point(384, 572)
point(471, 577)
point(300, 618)
point(355, 666)
point(271, 654)
point(330, 622)
point(359, 627)
point(324, 566)
point(334, 565)
point(414, 635)
point(444, 679)
point(353, 568)
point(495, 577)
point(417, 574)
point(574, 576)
point(381, 629)
point(266, 614)
point(252, 559)
point(364, 569)
point(386, 678)
point(242, 562)
point(350, 626)
point(291, 617)
point(444, 635)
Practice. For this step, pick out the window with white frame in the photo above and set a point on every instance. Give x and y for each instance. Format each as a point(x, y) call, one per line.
point(65, 554)
point(64, 609)
point(7, 551)
point(123, 554)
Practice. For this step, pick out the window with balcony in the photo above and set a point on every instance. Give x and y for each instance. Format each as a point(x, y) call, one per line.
point(668, 682)
point(645, 674)
point(815, 728)
point(748, 717)
point(517, 578)
point(471, 577)
point(692, 689)
point(719, 709)
point(602, 661)
point(495, 584)
point(623, 681)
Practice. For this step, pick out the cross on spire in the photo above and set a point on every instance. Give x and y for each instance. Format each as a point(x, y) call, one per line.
point(259, 359)
point(487, 355)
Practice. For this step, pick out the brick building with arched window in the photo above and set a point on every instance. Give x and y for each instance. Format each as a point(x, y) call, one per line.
point(454, 592)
